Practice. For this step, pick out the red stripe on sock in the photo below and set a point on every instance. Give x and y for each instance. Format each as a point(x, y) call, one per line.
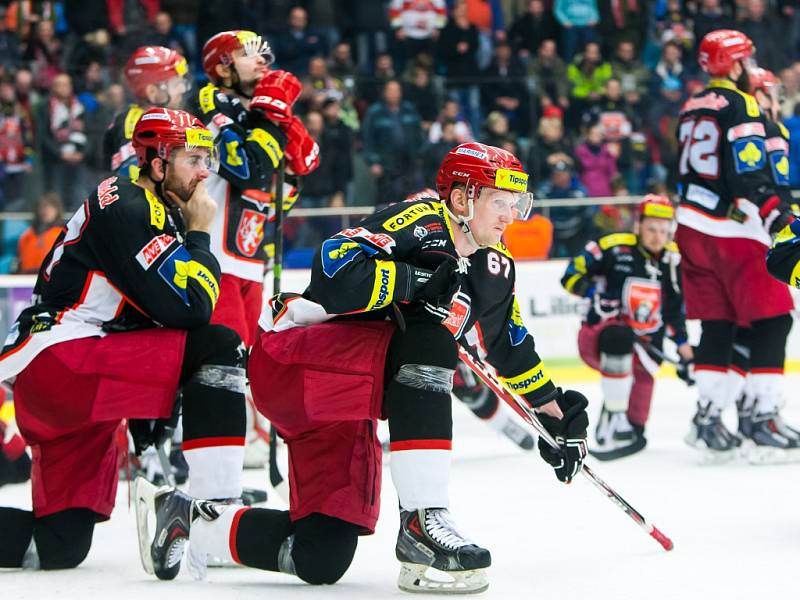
point(716, 368)
point(768, 371)
point(615, 375)
point(421, 445)
point(234, 531)
point(738, 370)
point(211, 442)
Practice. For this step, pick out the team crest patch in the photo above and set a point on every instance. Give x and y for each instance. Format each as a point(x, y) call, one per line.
point(174, 270)
point(250, 232)
point(749, 154)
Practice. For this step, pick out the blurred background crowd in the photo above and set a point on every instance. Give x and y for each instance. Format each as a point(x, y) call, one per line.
point(585, 92)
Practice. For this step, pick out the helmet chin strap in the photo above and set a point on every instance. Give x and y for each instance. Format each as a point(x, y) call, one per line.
point(463, 223)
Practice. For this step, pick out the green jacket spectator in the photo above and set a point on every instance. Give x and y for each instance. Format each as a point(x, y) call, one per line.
point(588, 75)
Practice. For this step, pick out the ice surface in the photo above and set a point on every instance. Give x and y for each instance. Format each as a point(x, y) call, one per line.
point(736, 528)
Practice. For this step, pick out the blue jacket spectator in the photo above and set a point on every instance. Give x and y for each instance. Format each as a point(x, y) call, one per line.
point(392, 135)
point(295, 46)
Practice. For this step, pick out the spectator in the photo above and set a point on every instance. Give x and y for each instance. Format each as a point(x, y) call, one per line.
point(632, 74)
point(578, 19)
point(164, 34)
point(295, 46)
point(549, 76)
point(370, 87)
point(392, 138)
point(15, 146)
point(317, 85)
point(596, 163)
point(549, 145)
point(416, 26)
point(588, 75)
point(368, 23)
point(571, 224)
point(765, 33)
point(458, 57)
point(675, 25)
point(339, 136)
point(341, 66)
point(622, 20)
point(532, 28)
point(711, 16)
point(487, 16)
point(10, 59)
point(184, 15)
point(323, 19)
point(668, 84)
point(130, 21)
point(497, 131)
point(434, 152)
point(43, 53)
point(419, 91)
point(36, 241)
point(504, 90)
point(791, 92)
point(61, 132)
point(451, 111)
point(27, 96)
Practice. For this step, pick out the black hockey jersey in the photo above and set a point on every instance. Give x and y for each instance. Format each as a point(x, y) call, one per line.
point(723, 163)
point(647, 286)
point(118, 153)
point(354, 272)
point(250, 149)
point(122, 262)
point(783, 259)
point(778, 159)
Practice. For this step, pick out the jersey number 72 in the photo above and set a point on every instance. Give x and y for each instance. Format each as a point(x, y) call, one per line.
point(699, 139)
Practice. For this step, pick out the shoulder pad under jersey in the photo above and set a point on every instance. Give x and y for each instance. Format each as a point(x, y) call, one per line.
point(617, 239)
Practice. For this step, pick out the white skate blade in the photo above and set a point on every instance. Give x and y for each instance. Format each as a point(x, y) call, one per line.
point(769, 455)
point(416, 578)
point(144, 495)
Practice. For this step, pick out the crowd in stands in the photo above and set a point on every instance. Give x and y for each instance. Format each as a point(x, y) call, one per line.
point(585, 92)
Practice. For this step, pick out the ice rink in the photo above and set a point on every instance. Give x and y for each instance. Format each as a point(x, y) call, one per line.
point(736, 528)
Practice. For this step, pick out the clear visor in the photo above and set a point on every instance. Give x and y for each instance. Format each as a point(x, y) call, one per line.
point(518, 204)
point(201, 153)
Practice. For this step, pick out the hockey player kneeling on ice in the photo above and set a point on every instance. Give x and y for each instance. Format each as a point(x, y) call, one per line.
point(633, 282)
point(374, 336)
point(119, 322)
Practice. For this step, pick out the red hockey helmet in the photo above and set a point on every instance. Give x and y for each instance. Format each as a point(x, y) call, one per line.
point(655, 206)
point(219, 50)
point(763, 79)
point(477, 166)
point(165, 130)
point(153, 65)
point(721, 49)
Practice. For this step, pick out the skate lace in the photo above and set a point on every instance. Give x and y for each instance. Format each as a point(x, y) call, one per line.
point(443, 531)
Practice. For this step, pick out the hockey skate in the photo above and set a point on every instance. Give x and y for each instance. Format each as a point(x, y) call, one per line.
point(436, 558)
point(616, 437)
point(744, 410)
point(771, 441)
point(709, 435)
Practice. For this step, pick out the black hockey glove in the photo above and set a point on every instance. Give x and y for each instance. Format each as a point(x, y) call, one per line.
point(605, 308)
point(153, 432)
point(440, 286)
point(685, 370)
point(569, 432)
point(775, 215)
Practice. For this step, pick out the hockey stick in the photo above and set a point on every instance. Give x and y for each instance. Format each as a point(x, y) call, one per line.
point(526, 412)
point(679, 366)
point(276, 478)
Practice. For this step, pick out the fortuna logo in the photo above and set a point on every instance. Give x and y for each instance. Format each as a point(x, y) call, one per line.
point(383, 294)
point(527, 382)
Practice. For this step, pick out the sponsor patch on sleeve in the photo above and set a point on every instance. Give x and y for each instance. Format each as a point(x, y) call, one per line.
point(174, 271)
point(780, 168)
point(153, 249)
point(529, 381)
point(383, 288)
point(516, 328)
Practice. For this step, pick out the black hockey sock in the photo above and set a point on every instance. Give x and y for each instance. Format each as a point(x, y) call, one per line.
point(259, 536)
point(63, 539)
point(16, 531)
point(323, 548)
point(768, 342)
